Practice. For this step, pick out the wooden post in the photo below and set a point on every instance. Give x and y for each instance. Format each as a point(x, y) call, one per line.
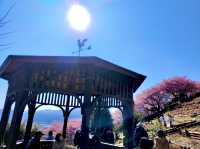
point(85, 111)
point(21, 99)
point(66, 116)
point(85, 126)
point(31, 113)
point(128, 123)
point(5, 118)
point(64, 131)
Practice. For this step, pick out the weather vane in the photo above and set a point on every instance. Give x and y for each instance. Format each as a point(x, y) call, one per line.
point(79, 19)
point(82, 46)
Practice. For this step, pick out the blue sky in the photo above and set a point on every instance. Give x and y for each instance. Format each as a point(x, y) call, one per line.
point(160, 39)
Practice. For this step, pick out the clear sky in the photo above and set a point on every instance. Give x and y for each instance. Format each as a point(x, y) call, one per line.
point(158, 38)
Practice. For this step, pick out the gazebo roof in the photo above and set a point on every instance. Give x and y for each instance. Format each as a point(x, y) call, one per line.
point(13, 62)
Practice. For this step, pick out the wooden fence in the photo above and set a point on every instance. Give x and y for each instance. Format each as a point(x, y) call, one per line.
point(179, 127)
point(192, 135)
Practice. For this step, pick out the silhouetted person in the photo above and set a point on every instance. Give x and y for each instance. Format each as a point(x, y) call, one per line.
point(161, 141)
point(145, 143)
point(77, 139)
point(59, 142)
point(34, 143)
point(50, 136)
point(108, 136)
point(139, 133)
point(95, 143)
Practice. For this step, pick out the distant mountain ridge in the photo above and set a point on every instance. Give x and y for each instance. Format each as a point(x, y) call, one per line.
point(48, 116)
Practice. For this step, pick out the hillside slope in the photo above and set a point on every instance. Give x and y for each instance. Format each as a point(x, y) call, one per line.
point(187, 112)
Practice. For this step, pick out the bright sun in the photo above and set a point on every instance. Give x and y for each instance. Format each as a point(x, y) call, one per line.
point(78, 17)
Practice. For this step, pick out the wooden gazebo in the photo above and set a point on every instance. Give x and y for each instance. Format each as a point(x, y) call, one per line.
point(66, 82)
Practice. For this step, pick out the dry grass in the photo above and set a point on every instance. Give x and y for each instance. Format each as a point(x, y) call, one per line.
point(195, 129)
point(181, 115)
point(179, 140)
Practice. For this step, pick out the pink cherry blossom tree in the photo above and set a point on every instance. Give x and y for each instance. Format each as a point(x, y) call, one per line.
point(156, 100)
point(73, 126)
point(180, 88)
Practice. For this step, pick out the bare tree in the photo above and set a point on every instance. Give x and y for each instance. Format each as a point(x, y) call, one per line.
point(3, 22)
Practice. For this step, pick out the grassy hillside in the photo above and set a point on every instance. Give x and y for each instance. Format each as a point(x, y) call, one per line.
point(186, 112)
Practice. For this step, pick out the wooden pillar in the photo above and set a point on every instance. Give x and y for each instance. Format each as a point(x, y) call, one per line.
point(31, 113)
point(21, 100)
point(66, 116)
point(85, 129)
point(128, 123)
point(5, 118)
point(85, 111)
point(64, 131)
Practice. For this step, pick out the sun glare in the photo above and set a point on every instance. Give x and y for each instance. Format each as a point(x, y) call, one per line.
point(78, 17)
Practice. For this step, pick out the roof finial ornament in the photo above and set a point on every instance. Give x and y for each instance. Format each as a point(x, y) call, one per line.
point(82, 46)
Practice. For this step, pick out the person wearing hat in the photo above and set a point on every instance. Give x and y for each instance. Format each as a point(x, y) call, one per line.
point(34, 143)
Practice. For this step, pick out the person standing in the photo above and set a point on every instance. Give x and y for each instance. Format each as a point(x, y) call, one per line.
point(77, 139)
point(50, 136)
point(95, 143)
point(108, 136)
point(59, 142)
point(161, 141)
point(145, 143)
point(139, 133)
point(34, 143)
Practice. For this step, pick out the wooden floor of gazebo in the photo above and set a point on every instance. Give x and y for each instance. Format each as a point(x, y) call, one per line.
point(46, 144)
